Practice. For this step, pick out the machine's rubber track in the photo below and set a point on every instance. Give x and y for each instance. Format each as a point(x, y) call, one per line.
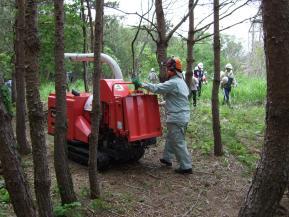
point(79, 153)
point(136, 153)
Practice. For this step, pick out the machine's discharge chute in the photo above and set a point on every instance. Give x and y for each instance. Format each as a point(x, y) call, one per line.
point(88, 57)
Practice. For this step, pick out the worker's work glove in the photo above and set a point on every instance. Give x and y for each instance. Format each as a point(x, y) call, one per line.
point(137, 83)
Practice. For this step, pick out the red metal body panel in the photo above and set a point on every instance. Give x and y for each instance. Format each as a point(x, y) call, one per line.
point(135, 116)
point(112, 88)
point(142, 117)
point(82, 129)
point(75, 106)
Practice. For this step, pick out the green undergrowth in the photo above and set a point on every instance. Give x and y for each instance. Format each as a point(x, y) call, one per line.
point(249, 90)
point(242, 124)
point(98, 207)
point(72, 210)
point(5, 205)
point(49, 87)
point(242, 130)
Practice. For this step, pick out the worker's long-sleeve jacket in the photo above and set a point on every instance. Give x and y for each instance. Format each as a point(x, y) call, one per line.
point(175, 93)
point(225, 76)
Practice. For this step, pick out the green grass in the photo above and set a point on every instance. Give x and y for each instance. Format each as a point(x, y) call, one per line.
point(100, 205)
point(5, 205)
point(4, 196)
point(250, 90)
point(49, 87)
point(242, 129)
point(74, 209)
point(242, 126)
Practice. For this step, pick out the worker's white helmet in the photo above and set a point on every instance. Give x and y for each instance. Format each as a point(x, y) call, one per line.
point(152, 69)
point(201, 65)
point(229, 66)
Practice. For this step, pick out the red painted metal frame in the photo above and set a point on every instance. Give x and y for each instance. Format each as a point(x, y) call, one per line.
point(132, 115)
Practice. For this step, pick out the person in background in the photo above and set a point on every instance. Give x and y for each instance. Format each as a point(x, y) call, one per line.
point(194, 90)
point(177, 108)
point(227, 80)
point(199, 74)
point(9, 85)
point(153, 77)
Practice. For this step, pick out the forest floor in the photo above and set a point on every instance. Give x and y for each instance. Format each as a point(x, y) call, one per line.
point(147, 188)
point(216, 188)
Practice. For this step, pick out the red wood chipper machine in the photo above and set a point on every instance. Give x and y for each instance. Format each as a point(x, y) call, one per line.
point(130, 119)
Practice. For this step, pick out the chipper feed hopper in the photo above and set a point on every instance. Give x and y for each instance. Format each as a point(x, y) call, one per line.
point(130, 119)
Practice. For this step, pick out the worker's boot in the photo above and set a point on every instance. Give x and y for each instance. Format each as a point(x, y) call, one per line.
point(167, 163)
point(184, 171)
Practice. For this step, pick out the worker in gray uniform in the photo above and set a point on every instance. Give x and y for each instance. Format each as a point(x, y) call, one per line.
point(177, 108)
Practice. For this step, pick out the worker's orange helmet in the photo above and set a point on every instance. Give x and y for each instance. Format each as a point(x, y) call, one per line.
point(178, 64)
point(174, 64)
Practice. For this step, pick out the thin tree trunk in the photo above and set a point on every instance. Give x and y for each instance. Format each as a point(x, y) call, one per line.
point(47, 76)
point(84, 46)
point(218, 147)
point(85, 82)
point(164, 37)
point(90, 24)
point(271, 177)
point(24, 146)
point(13, 174)
point(162, 42)
point(134, 62)
point(96, 112)
point(42, 180)
point(190, 46)
point(63, 175)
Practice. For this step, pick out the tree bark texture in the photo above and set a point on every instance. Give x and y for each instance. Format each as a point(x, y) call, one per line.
point(62, 171)
point(84, 46)
point(162, 42)
point(24, 146)
point(218, 147)
point(190, 45)
point(271, 176)
point(13, 174)
point(42, 180)
point(96, 112)
point(164, 36)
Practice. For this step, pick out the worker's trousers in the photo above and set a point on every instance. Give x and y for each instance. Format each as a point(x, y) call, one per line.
point(176, 145)
point(227, 91)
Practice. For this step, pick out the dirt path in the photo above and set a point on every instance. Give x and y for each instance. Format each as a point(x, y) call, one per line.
point(146, 188)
